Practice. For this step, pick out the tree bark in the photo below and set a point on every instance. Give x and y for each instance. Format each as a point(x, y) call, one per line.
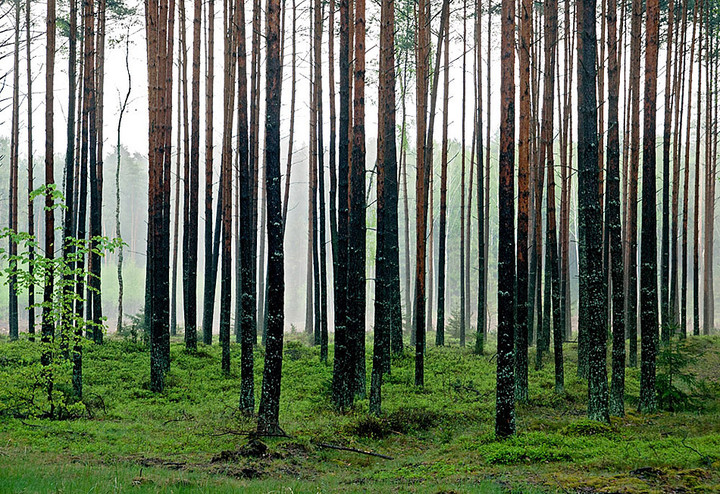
point(505, 383)
point(593, 285)
point(268, 416)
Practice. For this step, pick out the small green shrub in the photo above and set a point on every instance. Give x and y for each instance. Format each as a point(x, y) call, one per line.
point(401, 421)
point(587, 427)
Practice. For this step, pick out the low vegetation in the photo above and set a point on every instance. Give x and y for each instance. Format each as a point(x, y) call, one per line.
point(438, 438)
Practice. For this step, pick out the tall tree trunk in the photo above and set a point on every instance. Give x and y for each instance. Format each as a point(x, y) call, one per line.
point(208, 302)
point(14, 168)
point(96, 178)
point(440, 325)
point(593, 287)
point(482, 225)
point(648, 249)
point(343, 369)
point(268, 416)
point(48, 325)
point(667, 317)
point(631, 221)
point(31, 180)
point(387, 280)
point(505, 381)
point(230, 28)
point(708, 296)
point(521, 335)
point(686, 182)
point(190, 233)
point(696, 216)
point(321, 284)
point(356, 204)
point(422, 181)
point(246, 295)
point(159, 20)
point(176, 214)
point(118, 231)
point(612, 221)
point(69, 177)
point(547, 156)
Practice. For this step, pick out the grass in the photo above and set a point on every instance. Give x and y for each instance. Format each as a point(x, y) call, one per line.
point(190, 438)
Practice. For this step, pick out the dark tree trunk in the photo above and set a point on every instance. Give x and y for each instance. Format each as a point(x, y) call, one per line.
point(13, 192)
point(481, 199)
point(648, 250)
point(422, 182)
point(356, 203)
point(505, 385)
point(592, 282)
point(631, 221)
point(612, 221)
point(230, 27)
point(31, 180)
point(159, 18)
point(96, 179)
point(342, 367)
point(686, 210)
point(551, 247)
point(440, 325)
point(268, 416)
point(246, 294)
point(190, 233)
point(387, 286)
point(667, 317)
point(48, 324)
point(521, 327)
point(209, 301)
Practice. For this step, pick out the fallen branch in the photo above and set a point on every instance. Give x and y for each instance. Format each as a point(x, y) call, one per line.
point(352, 450)
point(250, 434)
point(705, 459)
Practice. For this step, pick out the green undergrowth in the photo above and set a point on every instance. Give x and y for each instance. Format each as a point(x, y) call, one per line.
point(191, 438)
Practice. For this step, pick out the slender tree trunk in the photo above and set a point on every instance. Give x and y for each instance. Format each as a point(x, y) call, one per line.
point(31, 180)
point(648, 260)
point(14, 168)
point(686, 192)
point(246, 294)
point(118, 231)
point(190, 233)
point(209, 301)
point(521, 335)
point(548, 156)
point(356, 203)
point(696, 216)
point(593, 288)
point(268, 416)
point(176, 214)
point(440, 326)
point(48, 325)
point(612, 222)
point(708, 296)
point(387, 281)
point(230, 28)
point(631, 222)
point(343, 369)
point(505, 396)
point(96, 178)
point(321, 284)
point(422, 181)
point(665, 307)
point(159, 19)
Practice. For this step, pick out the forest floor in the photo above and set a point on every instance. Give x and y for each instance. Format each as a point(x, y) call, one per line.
point(440, 437)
